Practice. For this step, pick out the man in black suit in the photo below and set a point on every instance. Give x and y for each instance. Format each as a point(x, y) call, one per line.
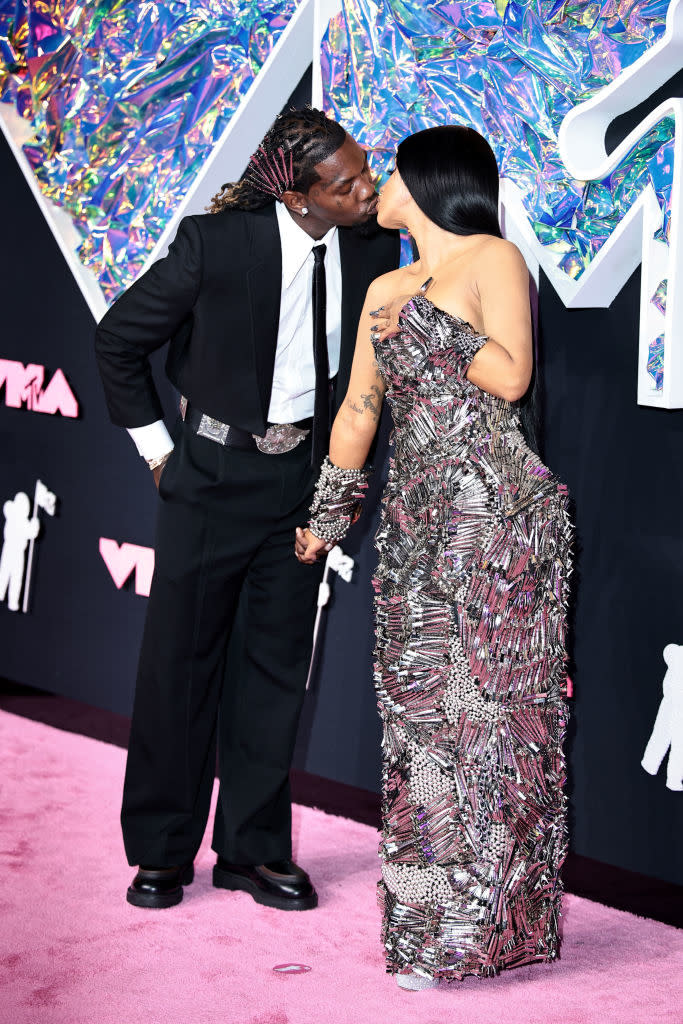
point(260, 300)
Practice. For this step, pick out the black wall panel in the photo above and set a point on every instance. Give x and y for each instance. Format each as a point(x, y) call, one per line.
point(623, 464)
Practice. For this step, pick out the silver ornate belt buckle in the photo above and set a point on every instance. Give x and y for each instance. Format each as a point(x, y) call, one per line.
point(280, 438)
point(213, 429)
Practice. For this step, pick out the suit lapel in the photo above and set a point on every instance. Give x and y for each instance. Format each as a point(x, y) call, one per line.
point(264, 283)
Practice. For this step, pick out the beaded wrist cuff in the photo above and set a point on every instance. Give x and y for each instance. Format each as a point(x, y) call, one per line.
point(336, 501)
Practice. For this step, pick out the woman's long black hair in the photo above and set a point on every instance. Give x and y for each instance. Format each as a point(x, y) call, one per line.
point(451, 173)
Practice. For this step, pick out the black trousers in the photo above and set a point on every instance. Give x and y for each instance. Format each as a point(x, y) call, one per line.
point(226, 524)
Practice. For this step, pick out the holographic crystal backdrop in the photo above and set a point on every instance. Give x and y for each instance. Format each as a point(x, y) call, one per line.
point(512, 71)
point(125, 102)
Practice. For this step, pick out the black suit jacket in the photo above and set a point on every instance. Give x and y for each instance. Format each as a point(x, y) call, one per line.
point(216, 297)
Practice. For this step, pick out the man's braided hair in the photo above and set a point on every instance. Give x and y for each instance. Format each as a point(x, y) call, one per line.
point(296, 142)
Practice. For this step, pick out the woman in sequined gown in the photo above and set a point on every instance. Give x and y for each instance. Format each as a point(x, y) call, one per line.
point(471, 585)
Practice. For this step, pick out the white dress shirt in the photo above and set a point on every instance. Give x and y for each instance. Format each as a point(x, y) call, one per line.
point(293, 394)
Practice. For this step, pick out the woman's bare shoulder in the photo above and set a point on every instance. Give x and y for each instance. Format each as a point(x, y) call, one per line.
point(396, 282)
point(498, 254)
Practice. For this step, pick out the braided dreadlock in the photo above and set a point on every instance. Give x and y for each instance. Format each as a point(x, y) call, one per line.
point(296, 142)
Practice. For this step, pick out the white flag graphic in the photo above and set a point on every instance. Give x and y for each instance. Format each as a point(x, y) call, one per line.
point(45, 499)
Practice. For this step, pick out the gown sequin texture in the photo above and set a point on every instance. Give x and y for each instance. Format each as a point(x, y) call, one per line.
point(471, 588)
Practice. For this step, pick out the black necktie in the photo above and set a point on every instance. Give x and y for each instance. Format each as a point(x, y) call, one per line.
point(321, 409)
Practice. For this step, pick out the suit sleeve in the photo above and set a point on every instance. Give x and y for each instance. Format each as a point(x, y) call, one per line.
point(141, 321)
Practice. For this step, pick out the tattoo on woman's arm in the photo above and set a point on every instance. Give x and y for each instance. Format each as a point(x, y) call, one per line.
point(371, 402)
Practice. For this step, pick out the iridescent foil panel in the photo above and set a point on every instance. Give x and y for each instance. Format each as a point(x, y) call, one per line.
point(512, 71)
point(126, 102)
point(655, 361)
point(658, 300)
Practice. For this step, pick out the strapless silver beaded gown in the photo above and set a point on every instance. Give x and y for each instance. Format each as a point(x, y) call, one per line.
point(470, 599)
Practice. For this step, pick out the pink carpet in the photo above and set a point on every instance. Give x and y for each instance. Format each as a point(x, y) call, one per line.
point(72, 951)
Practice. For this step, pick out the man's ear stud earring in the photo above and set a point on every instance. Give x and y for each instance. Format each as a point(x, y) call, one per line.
point(304, 211)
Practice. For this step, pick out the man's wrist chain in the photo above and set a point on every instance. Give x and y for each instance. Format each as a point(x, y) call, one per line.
point(158, 462)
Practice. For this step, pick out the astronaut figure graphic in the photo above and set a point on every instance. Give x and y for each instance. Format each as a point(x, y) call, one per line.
point(20, 528)
point(668, 728)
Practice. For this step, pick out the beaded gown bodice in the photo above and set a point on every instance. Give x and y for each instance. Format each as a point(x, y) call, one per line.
point(470, 598)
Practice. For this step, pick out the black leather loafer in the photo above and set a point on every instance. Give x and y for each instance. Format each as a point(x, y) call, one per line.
point(158, 888)
point(281, 884)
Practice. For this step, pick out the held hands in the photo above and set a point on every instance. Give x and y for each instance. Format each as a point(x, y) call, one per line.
point(335, 507)
point(308, 548)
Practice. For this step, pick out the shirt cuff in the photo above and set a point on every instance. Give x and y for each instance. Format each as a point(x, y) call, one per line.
point(153, 440)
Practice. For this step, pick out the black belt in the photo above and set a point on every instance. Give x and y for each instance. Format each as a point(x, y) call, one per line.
point(231, 437)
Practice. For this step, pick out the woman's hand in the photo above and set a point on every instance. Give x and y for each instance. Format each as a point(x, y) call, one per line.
point(385, 319)
point(308, 548)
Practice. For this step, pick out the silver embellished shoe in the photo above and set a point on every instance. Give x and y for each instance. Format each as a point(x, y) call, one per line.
point(415, 982)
